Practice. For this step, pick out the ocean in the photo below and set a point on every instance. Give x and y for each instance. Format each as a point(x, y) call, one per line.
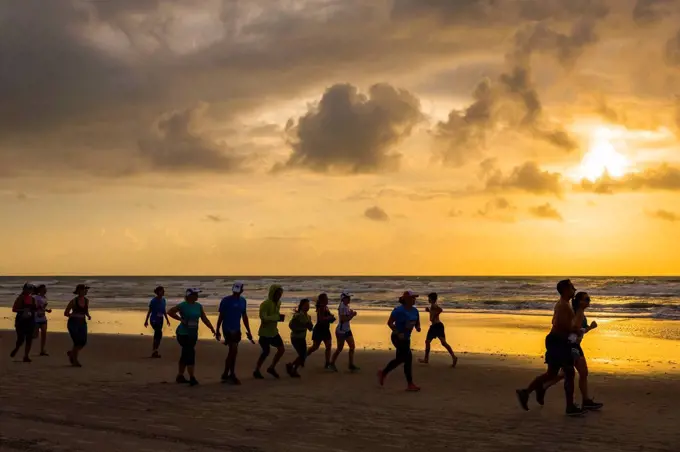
point(619, 297)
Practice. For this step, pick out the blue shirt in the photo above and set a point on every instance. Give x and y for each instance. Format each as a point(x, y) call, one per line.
point(157, 308)
point(232, 308)
point(405, 320)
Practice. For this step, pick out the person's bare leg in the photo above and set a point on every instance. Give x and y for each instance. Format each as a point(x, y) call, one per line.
point(352, 346)
point(43, 338)
point(190, 369)
point(427, 353)
point(277, 357)
point(341, 345)
point(582, 368)
point(231, 357)
point(315, 346)
point(329, 348)
point(181, 368)
point(450, 350)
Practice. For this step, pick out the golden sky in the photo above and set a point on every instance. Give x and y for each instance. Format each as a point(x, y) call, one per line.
point(322, 137)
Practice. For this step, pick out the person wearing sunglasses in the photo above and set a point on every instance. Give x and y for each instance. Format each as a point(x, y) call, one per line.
point(580, 303)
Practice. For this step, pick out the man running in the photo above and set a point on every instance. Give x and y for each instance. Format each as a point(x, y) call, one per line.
point(558, 353)
point(436, 330)
point(232, 310)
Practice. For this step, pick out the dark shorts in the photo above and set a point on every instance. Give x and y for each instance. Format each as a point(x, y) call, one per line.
point(300, 346)
point(436, 331)
point(24, 328)
point(77, 329)
point(343, 336)
point(231, 337)
point(321, 334)
point(266, 342)
point(558, 353)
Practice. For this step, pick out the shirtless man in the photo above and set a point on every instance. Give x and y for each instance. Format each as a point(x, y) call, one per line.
point(558, 353)
point(436, 330)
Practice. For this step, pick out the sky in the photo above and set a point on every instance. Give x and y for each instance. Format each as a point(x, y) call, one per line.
point(340, 137)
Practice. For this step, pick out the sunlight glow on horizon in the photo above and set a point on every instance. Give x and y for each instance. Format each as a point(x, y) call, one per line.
point(603, 157)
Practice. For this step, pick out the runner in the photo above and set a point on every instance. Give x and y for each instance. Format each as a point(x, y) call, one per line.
point(558, 353)
point(156, 315)
point(270, 316)
point(322, 329)
point(24, 323)
point(232, 310)
point(299, 325)
point(77, 311)
point(436, 330)
point(188, 313)
point(402, 321)
point(40, 296)
point(580, 303)
point(343, 332)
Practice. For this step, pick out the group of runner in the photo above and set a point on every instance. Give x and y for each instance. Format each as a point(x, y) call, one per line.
point(563, 350)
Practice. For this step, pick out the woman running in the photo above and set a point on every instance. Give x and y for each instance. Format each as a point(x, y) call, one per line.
point(343, 332)
point(24, 323)
point(77, 311)
point(188, 313)
point(156, 316)
point(41, 311)
point(299, 324)
point(402, 321)
point(322, 329)
point(579, 303)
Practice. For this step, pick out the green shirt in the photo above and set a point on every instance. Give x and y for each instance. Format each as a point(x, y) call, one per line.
point(191, 315)
point(269, 318)
point(299, 324)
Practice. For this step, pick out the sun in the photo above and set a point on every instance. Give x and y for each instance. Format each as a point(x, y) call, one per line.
point(603, 157)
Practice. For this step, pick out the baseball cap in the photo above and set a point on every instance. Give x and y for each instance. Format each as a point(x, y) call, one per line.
point(345, 294)
point(237, 287)
point(28, 286)
point(192, 291)
point(80, 287)
point(409, 293)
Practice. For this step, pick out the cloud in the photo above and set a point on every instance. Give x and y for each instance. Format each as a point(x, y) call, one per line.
point(214, 218)
point(648, 12)
point(375, 213)
point(662, 177)
point(176, 144)
point(348, 131)
point(526, 177)
point(546, 211)
point(498, 209)
point(664, 215)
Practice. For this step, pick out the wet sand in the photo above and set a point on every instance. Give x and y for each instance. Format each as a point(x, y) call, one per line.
point(121, 400)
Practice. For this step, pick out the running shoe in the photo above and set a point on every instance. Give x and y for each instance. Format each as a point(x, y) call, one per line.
point(44, 354)
point(193, 381)
point(523, 397)
point(423, 361)
point(225, 377)
point(290, 370)
point(332, 367)
point(575, 410)
point(27, 359)
point(271, 371)
point(354, 369)
point(233, 380)
point(155, 355)
point(181, 379)
point(258, 375)
point(591, 405)
point(412, 388)
point(455, 361)
point(14, 353)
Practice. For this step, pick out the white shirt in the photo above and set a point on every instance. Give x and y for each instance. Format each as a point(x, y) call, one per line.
point(40, 303)
point(343, 310)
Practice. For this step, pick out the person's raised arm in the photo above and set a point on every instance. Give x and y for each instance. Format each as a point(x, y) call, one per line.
point(69, 308)
point(173, 314)
point(207, 323)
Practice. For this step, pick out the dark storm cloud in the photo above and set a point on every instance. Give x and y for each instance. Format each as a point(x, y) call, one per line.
point(352, 132)
point(527, 177)
point(375, 213)
point(176, 144)
point(546, 211)
point(662, 177)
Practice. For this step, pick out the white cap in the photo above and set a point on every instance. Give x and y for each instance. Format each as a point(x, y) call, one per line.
point(192, 291)
point(237, 287)
point(345, 294)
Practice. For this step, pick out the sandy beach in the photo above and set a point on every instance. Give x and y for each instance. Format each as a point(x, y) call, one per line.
point(122, 400)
